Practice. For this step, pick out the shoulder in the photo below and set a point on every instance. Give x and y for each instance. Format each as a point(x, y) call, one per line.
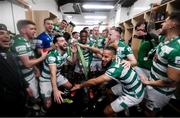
point(19, 41)
point(19, 38)
point(42, 35)
point(52, 52)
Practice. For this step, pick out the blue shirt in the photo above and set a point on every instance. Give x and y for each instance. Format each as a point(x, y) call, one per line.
point(44, 40)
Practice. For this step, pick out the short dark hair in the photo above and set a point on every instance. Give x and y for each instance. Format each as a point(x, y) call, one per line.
point(74, 33)
point(56, 37)
point(3, 27)
point(47, 19)
point(119, 30)
point(85, 28)
point(175, 16)
point(64, 21)
point(83, 31)
point(22, 23)
point(139, 24)
point(106, 30)
point(112, 49)
point(67, 36)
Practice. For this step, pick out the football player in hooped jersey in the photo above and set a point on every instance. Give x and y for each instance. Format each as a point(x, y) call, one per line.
point(51, 77)
point(165, 72)
point(22, 48)
point(132, 88)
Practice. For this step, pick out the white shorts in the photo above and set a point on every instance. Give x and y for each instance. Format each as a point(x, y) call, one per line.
point(155, 100)
point(46, 87)
point(117, 89)
point(96, 65)
point(124, 102)
point(33, 83)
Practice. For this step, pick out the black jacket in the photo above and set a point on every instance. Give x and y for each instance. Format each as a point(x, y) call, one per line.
point(12, 87)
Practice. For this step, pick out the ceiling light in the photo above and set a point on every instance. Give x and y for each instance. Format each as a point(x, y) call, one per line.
point(92, 21)
point(93, 6)
point(69, 16)
point(95, 17)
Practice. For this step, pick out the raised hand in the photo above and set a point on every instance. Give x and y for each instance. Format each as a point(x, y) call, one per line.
point(126, 64)
point(143, 79)
point(83, 46)
point(74, 48)
point(44, 53)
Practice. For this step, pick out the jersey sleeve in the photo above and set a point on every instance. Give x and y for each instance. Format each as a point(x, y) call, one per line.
point(51, 59)
point(174, 59)
point(113, 72)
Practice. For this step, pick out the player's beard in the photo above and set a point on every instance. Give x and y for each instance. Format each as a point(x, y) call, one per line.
point(63, 48)
point(107, 65)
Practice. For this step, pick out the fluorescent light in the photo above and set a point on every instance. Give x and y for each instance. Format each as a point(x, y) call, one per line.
point(69, 16)
point(95, 17)
point(92, 21)
point(93, 6)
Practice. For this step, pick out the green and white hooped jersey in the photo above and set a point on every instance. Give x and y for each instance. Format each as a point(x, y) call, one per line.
point(54, 57)
point(98, 43)
point(167, 54)
point(131, 84)
point(57, 29)
point(21, 46)
point(123, 50)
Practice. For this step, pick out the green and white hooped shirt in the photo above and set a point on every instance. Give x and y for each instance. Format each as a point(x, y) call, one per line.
point(123, 50)
point(167, 54)
point(21, 46)
point(54, 57)
point(131, 84)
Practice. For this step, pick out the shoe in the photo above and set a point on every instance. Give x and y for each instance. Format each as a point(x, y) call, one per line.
point(36, 107)
point(67, 100)
point(42, 112)
point(138, 108)
point(101, 98)
point(126, 112)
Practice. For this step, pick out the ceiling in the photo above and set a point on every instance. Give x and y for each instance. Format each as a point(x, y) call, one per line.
point(73, 10)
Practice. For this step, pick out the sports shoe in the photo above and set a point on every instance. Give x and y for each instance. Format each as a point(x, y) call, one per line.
point(36, 107)
point(101, 98)
point(67, 100)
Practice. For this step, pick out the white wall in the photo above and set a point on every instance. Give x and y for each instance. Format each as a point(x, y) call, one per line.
point(8, 18)
point(49, 5)
point(125, 13)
